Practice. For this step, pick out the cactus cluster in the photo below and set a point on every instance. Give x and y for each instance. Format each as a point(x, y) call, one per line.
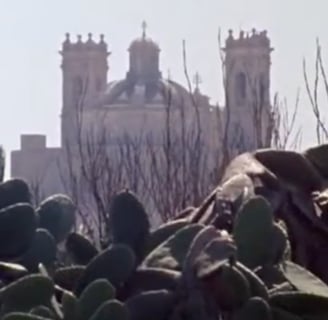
point(181, 270)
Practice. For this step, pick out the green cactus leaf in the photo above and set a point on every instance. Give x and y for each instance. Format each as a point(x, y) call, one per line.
point(43, 311)
point(165, 231)
point(279, 314)
point(202, 239)
point(112, 309)
point(254, 309)
point(14, 191)
point(69, 306)
point(57, 215)
point(300, 303)
point(303, 280)
point(257, 286)
point(81, 250)
point(68, 277)
point(171, 254)
point(279, 244)
point(228, 286)
point(151, 305)
point(283, 287)
point(17, 229)
point(150, 279)
point(129, 222)
point(42, 250)
point(11, 271)
point(116, 264)
point(253, 232)
point(93, 296)
point(23, 316)
point(213, 256)
point(271, 275)
point(27, 292)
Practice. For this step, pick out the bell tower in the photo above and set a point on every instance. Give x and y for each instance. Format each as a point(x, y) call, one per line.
point(84, 73)
point(247, 69)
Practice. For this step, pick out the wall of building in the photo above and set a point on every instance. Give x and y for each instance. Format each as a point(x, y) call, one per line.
point(38, 165)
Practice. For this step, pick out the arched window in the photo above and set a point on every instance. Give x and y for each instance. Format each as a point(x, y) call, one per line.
point(241, 87)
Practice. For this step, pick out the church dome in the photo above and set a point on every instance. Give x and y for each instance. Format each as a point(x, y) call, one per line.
point(160, 92)
point(144, 84)
point(143, 43)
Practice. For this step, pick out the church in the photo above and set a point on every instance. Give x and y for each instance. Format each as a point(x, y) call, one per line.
point(139, 110)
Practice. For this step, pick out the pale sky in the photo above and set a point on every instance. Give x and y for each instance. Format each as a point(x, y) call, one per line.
point(31, 33)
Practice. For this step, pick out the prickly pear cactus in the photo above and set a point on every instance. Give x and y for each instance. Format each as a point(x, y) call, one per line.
point(26, 293)
point(252, 232)
point(93, 296)
point(43, 250)
point(128, 222)
point(57, 215)
point(80, 249)
point(172, 253)
point(14, 191)
point(254, 309)
point(17, 229)
point(116, 264)
point(181, 270)
point(260, 241)
point(112, 309)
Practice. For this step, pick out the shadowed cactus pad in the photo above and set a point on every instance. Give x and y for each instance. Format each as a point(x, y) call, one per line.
point(149, 279)
point(23, 316)
point(80, 249)
point(301, 304)
point(228, 286)
point(43, 250)
point(57, 215)
point(14, 191)
point(11, 271)
point(216, 253)
point(129, 222)
point(257, 286)
point(112, 309)
point(69, 305)
point(151, 305)
point(304, 280)
point(253, 232)
point(68, 277)
point(279, 244)
point(254, 309)
point(93, 296)
point(116, 264)
point(171, 254)
point(17, 229)
point(165, 231)
point(27, 292)
point(43, 311)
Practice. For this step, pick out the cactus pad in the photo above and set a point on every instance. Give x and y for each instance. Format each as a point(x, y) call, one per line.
point(17, 229)
point(116, 264)
point(81, 250)
point(57, 215)
point(171, 254)
point(129, 222)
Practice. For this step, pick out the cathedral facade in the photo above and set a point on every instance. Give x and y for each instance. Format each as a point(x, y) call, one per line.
point(143, 106)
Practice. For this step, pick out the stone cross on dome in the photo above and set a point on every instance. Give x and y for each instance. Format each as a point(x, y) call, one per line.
point(197, 80)
point(144, 28)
